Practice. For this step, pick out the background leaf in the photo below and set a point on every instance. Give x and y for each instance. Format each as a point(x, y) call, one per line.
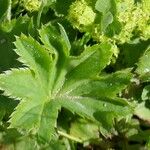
point(144, 64)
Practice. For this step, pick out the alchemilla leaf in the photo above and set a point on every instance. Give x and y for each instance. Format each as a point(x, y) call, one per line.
point(53, 79)
point(143, 68)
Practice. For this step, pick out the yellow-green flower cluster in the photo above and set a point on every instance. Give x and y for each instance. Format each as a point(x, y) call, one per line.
point(32, 5)
point(81, 15)
point(134, 19)
point(144, 24)
point(133, 16)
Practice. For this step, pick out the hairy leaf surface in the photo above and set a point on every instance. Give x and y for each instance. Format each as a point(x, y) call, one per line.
point(53, 79)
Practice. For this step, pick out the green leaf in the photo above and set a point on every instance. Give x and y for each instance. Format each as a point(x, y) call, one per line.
point(146, 93)
point(54, 40)
point(26, 143)
point(48, 119)
point(36, 116)
point(144, 65)
point(106, 86)
point(2, 113)
point(105, 6)
point(5, 14)
point(4, 4)
point(101, 111)
point(113, 28)
point(7, 106)
point(140, 136)
point(98, 55)
point(142, 112)
point(8, 30)
point(19, 83)
point(64, 36)
point(56, 144)
point(61, 7)
point(106, 20)
point(33, 55)
point(84, 129)
point(45, 86)
point(86, 106)
point(148, 143)
point(57, 44)
point(11, 135)
point(131, 52)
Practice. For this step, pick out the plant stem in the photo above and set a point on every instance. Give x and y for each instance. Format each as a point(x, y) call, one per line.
point(8, 15)
point(40, 13)
point(69, 136)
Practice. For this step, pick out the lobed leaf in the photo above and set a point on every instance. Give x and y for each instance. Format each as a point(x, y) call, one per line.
point(35, 57)
point(58, 45)
point(89, 64)
point(48, 121)
point(86, 106)
point(53, 39)
point(107, 86)
point(54, 79)
point(19, 83)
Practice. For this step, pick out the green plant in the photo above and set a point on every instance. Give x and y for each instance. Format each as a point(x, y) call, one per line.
point(81, 79)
